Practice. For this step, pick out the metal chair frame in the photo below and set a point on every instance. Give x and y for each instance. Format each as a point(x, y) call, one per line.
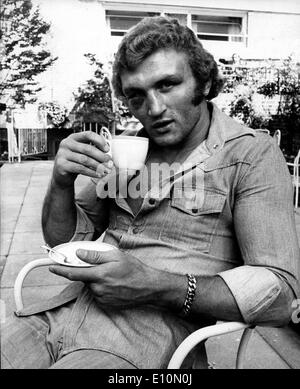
point(295, 176)
point(277, 136)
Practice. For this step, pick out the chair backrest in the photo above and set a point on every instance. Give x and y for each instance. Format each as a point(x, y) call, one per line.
point(277, 136)
point(296, 165)
point(265, 130)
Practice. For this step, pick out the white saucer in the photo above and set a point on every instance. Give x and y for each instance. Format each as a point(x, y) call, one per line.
point(69, 250)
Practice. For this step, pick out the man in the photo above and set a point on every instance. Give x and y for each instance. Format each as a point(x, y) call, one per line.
point(226, 249)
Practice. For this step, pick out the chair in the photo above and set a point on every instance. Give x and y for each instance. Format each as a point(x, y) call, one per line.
point(266, 131)
point(207, 332)
point(277, 136)
point(295, 176)
point(183, 349)
point(22, 275)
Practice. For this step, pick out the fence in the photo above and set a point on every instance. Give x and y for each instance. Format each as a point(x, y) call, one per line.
point(32, 141)
point(255, 73)
point(26, 142)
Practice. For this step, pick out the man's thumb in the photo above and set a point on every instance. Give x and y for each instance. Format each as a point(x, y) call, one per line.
point(89, 256)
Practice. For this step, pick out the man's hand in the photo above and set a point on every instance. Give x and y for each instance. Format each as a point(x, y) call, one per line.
point(81, 153)
point(119, 279)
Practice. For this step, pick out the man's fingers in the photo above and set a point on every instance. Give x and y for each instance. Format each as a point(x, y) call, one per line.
point(76, 168)
point(82, 160)
point(83, 153)
point(97, 257)
point(92, 137)
point(89, 150)
point(73, 274)
point(86, 161)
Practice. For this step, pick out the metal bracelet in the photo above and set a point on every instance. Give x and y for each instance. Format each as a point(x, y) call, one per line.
point(192, 285)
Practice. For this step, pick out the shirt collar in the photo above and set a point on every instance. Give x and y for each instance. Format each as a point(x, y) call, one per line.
point(223, 129)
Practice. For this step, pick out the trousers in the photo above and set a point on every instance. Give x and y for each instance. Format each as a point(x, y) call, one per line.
point(35, 342)
point(77, 335)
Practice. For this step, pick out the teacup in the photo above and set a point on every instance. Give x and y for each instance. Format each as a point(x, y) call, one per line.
point(127, 152)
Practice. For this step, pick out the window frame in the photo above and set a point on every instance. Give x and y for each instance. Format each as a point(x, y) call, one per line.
point(189, 12)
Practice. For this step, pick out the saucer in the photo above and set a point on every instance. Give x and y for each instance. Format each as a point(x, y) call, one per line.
point(69, 257)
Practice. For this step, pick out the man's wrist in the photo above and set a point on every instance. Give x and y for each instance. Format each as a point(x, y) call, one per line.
point(190, 295)
point(66, 183)
point(169, 290)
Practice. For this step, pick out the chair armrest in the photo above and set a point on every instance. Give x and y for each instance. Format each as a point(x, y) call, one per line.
point(22, 275)
point(204, 333)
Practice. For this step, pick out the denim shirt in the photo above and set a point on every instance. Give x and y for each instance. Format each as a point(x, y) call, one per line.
point(240, 226)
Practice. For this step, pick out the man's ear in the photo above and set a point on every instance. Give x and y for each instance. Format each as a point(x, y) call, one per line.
point(207, 87)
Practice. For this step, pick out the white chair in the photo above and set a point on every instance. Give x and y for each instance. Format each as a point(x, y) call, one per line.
point(207, 332)
point(22, 275)
point(184, 348)
point(295, 177)
point(265, 130)
point(277, 136)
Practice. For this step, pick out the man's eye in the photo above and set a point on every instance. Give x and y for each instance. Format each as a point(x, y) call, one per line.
point(166, 85)
point(136, 101)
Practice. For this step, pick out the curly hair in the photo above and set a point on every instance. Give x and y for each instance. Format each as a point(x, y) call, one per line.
point(154, 33)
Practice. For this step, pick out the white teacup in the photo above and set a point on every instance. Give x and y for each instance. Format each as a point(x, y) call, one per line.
point(127, 152)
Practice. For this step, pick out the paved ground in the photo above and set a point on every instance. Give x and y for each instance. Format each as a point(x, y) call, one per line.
point(23, 187)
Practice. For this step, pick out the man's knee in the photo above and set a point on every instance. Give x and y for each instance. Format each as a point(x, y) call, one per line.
point(23, 344)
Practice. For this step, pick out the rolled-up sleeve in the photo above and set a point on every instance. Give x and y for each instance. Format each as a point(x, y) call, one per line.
point(84, 227)
point(260, 295)
point(268, 282)
point(92, 214)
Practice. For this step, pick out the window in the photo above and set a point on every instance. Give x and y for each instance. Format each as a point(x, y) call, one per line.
point(121, 21)
point(209, 25)
point(218, 28)
point(182, 18)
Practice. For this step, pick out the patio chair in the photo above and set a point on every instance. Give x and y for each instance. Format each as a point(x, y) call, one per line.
point(277, 136)
point(184, 348)
point(295, 177)
point(265, 130)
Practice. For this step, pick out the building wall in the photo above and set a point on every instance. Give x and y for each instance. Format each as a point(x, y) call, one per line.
point(285, 6)
point(79, 27)
point(273, 35)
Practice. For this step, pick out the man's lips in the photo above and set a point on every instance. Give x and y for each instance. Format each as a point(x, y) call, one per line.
point(160, 125)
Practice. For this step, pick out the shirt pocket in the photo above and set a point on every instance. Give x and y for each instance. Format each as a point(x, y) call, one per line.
point(192, 218)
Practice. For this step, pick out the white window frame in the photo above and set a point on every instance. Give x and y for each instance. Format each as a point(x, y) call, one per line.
point(188, 11)
point(122, 32)
point(223, 13)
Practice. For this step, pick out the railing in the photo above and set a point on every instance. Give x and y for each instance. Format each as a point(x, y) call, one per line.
point(26, 142)
point(32, 141)
point(91, 126)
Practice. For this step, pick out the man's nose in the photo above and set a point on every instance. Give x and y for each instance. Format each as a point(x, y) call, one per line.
point(156, 104)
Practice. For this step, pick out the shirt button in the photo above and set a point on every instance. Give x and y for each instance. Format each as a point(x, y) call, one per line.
point(215, 146)
point(135, 230)
point(151, 201)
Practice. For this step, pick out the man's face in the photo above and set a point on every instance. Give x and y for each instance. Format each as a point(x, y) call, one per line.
point(159, 94)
